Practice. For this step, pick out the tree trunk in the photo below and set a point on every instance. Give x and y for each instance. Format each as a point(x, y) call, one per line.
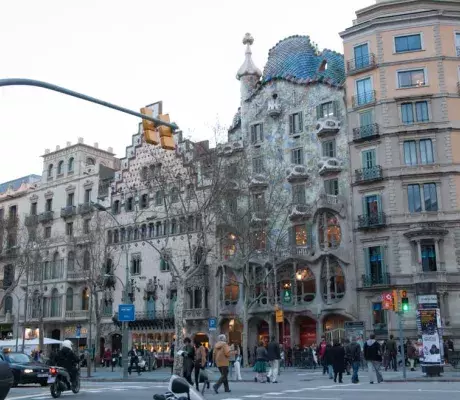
point(179, 326)
point(245, 332)
point(97, 313)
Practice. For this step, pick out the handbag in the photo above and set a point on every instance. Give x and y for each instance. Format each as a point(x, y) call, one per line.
point(203, 377)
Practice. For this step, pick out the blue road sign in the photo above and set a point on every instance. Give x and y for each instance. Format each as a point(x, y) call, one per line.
point(78, 332)
point(212, 324)
point(126, 312)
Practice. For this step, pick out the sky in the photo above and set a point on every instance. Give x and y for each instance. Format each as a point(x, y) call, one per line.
point(133, 53)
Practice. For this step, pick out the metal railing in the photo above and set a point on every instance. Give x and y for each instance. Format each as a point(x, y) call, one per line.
point(370, 280)
point(68, 211)
point(373, 220)
point(369, 174)
point(74, 275)
point(77, 314)
point(361, 63)
point(31, 220)
point(85, 208)
point(365, 132)
point(46, 216)
point(362, 99)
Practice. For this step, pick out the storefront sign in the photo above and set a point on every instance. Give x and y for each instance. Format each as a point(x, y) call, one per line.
point(427, 301)
point(431, 348)
point(71, 332)
point(279, 316)
point(355, 330)
point(287, 296)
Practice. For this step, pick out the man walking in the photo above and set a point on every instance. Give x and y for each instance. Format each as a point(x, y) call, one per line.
point(372, 355)
point(274, 357)
point(134, 360)
point(221, 358)
point(321, 351)
point(392, 353)
point(355, 359)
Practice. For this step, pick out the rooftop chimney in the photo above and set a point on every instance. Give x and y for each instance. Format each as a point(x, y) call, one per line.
point(68, 144)
point(58, 147)
point(47, 151)
point(96, 145)
point(80, 140)
point(110, 149)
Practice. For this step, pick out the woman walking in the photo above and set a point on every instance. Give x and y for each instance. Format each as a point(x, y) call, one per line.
point(260, 366)
point(411, 354)
point(338, 360)
point(237, 363)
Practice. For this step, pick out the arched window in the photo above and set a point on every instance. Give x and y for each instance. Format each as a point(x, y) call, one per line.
point(151, 229)
point(158, 231)
point(60, 169)
point(130, 234)
point(173, 229)
point(144, 173)
point(143, 231)
point(306, 285)
point(136, 233)
point(46, 270)
point(8, 304)
point(90, 161)
point(159, 198)
point(50, 171)
point(232, 288)
point(86, 260)
point(70, 165)
point(198, 298)
point(165, 227)
point(69, 299)
point(70, 261)
point(56, 267)
point(334, 287)
point(190, 223)
point(109, 267)
point(55, 303)
point(109, 237)
point(85, 299)
point(145, 200)
point(115, 236)
point(174, 195)
point(122, 234)
point(329, 230)
point(182, 225)
point(36, 304)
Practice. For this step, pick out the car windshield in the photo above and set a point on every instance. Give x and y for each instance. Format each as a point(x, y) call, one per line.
point(19, 358)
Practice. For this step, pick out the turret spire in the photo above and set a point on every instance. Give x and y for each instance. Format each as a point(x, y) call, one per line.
point(248, 67)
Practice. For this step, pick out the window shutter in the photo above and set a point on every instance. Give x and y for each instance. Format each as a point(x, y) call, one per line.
point(261, 132)
point(300, 121)
point(291, 124)
point(364, 205)
point(383, 262)
point(334, 146)
point(367, 266)
point(253, 134)
point(309, 228)
point(318, 112)
point(292, 156)
point(335, 108)
point(379, 203)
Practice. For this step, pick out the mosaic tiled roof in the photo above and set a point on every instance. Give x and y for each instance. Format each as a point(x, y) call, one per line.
point(16, 184)
point(297, 60)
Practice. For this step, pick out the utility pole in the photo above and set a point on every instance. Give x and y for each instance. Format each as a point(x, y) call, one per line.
point(401, 343)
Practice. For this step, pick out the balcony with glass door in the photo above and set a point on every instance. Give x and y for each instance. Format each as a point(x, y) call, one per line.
point(362, 60)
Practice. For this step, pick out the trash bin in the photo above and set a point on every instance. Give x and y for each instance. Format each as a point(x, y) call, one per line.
point(6, 379)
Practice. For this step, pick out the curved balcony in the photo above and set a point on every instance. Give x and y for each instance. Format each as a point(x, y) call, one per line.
point(327, 126)
point(31, 220)
point(68, 212)
point(258, 182)
point(371, 174)
point(329, 165)
point(300, 212)
point(274, 108)
point(196, 313)
point(297, 173)
point(85, 208)
point(46, 216)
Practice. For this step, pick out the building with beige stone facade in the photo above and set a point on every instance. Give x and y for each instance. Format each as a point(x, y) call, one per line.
point(402, 64)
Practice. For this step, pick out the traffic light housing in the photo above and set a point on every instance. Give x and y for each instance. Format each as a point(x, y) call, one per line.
point(166, 133)
point(150, 132)
point(395, 301)
point(404, 301)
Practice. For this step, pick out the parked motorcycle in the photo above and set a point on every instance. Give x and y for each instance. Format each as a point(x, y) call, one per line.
point(59, 380)
point(179, 389)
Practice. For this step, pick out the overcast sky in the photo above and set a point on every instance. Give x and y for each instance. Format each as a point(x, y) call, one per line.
point(133, 53)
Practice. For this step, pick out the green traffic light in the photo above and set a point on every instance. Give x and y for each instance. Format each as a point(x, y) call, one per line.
point(405, 304)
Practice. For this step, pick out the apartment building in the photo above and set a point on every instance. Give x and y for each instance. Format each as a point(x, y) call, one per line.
point(402, 65)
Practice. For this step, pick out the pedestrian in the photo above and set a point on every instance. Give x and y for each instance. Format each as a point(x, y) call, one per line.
point(321, 351)
point(392, 349)
point(107, 357)
point(355, 359)
point(231, 360)
point(347, 356)
point(221, 358)
point(328, 360)
point(338, 360)
point(200, 364)
point(237, 364)
point(189, 360)
point(133, 360)
point(274, 357)
point(411, 354)
point(372, 354)
point(260, 366)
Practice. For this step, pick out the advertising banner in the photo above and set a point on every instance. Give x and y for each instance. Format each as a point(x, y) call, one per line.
point(431, 348)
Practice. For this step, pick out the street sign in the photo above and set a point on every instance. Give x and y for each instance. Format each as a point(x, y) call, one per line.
point(387, 301)
point(212, 324)
point(78, 331)
point(279, 316)
point(287, 296)
point(126, 313)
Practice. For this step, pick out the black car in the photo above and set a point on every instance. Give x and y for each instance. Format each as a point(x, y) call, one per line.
point(25, 369)
point(6, 379)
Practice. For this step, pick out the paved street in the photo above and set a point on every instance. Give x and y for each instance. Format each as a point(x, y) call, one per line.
point(295, 385)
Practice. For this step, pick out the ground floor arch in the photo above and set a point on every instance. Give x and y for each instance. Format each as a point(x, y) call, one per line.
point(334, 326)
point(201, 337)
point(233, 329)
point(305, 331)
point(116, 341)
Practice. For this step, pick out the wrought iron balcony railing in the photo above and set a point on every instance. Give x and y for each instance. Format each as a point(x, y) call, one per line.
point(369, 174)
point(365, 132)
point(85, 208)
point(31, 220)
point(46, 216)
point(373, 220)
point(364, 98)
point(68, 211)
point(370, 280)
point(359, 64)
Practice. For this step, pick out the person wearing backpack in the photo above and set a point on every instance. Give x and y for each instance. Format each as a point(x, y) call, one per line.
point(355, 359)
point(373, 356)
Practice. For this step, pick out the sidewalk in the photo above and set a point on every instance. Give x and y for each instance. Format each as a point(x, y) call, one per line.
point(164, 374)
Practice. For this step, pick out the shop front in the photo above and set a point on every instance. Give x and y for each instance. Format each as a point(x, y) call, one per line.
point(153, 341)
point(77, 334)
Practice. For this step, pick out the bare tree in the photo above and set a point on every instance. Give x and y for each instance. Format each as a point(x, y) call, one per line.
point(253, 221)
point(96, 262)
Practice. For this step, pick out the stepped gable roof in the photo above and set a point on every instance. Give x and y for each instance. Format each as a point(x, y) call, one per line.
point(297, 59)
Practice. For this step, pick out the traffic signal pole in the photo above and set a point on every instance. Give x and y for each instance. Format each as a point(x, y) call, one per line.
point(401, 343)
point(55, 88)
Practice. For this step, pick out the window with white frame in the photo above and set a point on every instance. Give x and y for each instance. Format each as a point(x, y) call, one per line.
point(297, 156)
point(418, 152)
point(422, 197)
point(407, 43)
point(328, 109)
point(412, 78)
point(414, 112)
point(331, 186)
point(257, 133)
point(457, 43)
point(296, 123)
point(329, 148)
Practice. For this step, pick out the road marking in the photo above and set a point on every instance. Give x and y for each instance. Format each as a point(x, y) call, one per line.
point(311, 398)
point(293, 391)
point(273, 393)
point(252, 396)
point(393, 389)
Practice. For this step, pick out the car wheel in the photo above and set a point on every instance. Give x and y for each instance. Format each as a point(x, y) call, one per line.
point(15, 380)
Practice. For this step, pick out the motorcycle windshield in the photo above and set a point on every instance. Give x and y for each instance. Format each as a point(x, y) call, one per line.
point(194, 394)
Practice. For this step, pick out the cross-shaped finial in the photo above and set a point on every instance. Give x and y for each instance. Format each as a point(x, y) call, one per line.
point(248, 39)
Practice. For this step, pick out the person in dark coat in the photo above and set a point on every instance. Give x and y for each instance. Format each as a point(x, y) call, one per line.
point(327, 358)
point(338, 360)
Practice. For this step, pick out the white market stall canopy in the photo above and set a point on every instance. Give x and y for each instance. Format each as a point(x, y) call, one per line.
point(29, 342)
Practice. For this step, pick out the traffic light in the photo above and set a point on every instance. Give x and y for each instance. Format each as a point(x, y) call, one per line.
point(150, 133)
point(166, 134)
point(395, 301)
point(404, 301)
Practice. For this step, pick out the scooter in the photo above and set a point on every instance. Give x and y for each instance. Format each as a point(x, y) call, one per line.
point(179, 389)
point(59, 380)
